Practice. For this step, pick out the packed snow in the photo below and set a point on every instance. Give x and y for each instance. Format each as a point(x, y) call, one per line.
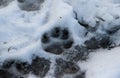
point(21, 31)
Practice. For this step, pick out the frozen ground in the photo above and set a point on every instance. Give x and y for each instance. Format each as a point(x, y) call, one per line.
point(21, 32)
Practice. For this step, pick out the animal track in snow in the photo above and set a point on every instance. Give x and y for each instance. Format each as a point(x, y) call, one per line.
point(56, 40)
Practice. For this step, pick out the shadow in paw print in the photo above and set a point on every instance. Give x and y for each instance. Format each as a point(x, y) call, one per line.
point(76, 53)
point(56, 32)
point(96, 43)
point(21, 1)
point(55, 48)
point(8, 63)
point(65, 34)
point(56, 40)
point(23, 67)
point(45, 38)
point(7, 74)
point(65, 67)
point(39, 67)
point(68, 44)
point(81, 75)
point(92, 43)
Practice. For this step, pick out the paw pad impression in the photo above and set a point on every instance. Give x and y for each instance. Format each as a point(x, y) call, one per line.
point(56, 40)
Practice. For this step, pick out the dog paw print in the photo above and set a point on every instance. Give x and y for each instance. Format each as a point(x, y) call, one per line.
point(57, 40)
point(30, 5)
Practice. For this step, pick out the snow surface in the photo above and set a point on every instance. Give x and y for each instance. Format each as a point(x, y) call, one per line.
point(103, 64)
point(20, 32)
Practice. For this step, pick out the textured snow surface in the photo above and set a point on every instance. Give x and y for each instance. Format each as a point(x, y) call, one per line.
point(21, 31)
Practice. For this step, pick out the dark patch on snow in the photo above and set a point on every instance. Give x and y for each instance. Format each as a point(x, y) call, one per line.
point(65, 67)
point(55, 48)
point(103, 41)
point(39, 67)
point(81, 75)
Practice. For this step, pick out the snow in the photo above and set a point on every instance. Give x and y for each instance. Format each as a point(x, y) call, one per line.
point(20, 31)
point(103, 64)
point(31, 76)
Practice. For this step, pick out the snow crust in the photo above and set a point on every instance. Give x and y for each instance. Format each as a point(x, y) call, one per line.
point(20, 31)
